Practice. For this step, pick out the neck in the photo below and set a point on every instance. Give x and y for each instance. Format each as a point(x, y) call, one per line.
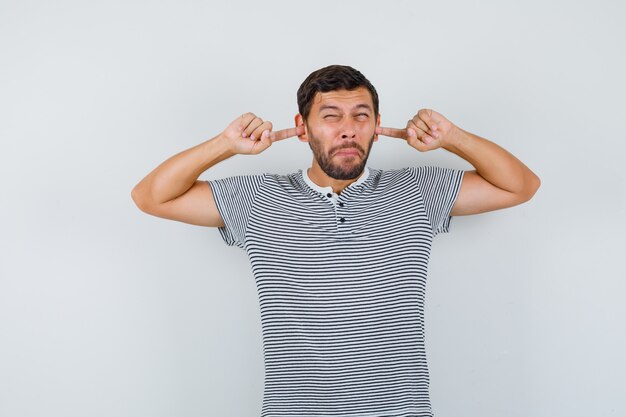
point(319, 177)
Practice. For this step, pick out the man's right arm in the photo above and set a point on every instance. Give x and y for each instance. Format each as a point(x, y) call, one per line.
point(172, 190)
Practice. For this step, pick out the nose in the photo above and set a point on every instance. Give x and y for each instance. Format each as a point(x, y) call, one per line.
point(347, 130)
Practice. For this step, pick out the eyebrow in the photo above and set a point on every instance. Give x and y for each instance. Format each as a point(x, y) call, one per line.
point(331, 107)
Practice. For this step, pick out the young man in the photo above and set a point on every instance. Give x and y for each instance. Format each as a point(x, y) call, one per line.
point(339, 251)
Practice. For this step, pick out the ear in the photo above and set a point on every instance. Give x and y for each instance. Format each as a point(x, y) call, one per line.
point(377, 125)
point(300, 122)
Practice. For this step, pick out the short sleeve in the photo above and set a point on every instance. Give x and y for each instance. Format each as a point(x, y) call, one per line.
point(439, 188)
point(234, 198)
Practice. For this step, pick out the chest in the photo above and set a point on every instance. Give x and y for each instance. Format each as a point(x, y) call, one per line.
point(384, 226)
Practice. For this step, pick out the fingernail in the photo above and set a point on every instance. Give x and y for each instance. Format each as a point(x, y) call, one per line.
point(252, 137)
point(266, 134)
point(244, 135)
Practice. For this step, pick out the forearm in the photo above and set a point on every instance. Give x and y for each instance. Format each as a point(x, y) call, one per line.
point(493, 163)
point(177, 174)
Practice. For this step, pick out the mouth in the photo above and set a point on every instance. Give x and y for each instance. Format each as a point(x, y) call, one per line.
point(347, 152)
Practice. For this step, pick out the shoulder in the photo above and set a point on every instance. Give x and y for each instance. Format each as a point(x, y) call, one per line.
point(424, 177)
point(276, 182)
point(393, 175)
point(434, 173)
point(388, 179)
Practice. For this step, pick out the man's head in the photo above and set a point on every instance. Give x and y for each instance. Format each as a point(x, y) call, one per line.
point(339, 109)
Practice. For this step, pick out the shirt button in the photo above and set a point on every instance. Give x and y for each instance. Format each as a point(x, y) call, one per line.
point(342, 220)
point(329, 195)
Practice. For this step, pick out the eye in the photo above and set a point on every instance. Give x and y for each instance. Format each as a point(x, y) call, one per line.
point(329, 116)
point(363, 115)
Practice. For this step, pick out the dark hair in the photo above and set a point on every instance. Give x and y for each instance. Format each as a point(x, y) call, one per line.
point(331, 78)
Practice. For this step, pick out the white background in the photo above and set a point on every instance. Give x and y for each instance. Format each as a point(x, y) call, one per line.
point(106, 311)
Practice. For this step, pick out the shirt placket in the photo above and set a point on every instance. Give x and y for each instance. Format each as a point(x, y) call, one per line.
point(342, 216)
point(340, 210)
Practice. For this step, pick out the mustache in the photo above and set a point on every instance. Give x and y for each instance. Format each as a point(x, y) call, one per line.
point(351, 145)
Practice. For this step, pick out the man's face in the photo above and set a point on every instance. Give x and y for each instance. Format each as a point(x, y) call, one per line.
point(340, 131)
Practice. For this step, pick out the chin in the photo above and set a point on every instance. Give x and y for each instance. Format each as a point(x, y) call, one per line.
point(344, 173)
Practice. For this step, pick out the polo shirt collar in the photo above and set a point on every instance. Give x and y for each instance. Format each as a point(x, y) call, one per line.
point(325, 190)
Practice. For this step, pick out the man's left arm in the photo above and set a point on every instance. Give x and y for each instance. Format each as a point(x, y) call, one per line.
point(500, 180)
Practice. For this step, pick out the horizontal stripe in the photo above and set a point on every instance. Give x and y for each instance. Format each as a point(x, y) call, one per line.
point(342, 302)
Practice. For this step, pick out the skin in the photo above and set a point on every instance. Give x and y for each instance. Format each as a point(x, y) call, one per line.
point(340, 130)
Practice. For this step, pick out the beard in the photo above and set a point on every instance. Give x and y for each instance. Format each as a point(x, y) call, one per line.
point(347, 171)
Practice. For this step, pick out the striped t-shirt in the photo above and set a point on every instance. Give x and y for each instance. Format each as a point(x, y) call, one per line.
point(341, 281)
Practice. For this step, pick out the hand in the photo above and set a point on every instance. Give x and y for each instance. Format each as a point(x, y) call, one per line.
point(427, 130)
point(249, 134)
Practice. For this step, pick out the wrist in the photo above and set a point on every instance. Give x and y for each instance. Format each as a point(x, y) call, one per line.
point(455, 139)
point(215, 150)
point(222, 146)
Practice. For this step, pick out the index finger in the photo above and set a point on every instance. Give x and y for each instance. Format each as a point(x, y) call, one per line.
point(392, 132)
point(286, 133)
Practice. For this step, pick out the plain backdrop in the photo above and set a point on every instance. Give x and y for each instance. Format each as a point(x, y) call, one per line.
point(106, 311)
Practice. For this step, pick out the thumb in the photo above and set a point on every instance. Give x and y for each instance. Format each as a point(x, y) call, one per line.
point(413, 140)
point(263, 143)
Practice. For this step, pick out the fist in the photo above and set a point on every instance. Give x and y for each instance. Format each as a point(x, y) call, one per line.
point(427, 130)
point(250, 135)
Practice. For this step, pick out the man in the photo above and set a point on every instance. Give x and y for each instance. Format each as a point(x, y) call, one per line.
point(339, 251)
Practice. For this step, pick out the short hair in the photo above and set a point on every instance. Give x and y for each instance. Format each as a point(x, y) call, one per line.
point(332, 78)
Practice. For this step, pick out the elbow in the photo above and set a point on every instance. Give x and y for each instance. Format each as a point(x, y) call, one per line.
point(134, 195)
point(139, 198)
point(533, 184)
point(537, 183)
